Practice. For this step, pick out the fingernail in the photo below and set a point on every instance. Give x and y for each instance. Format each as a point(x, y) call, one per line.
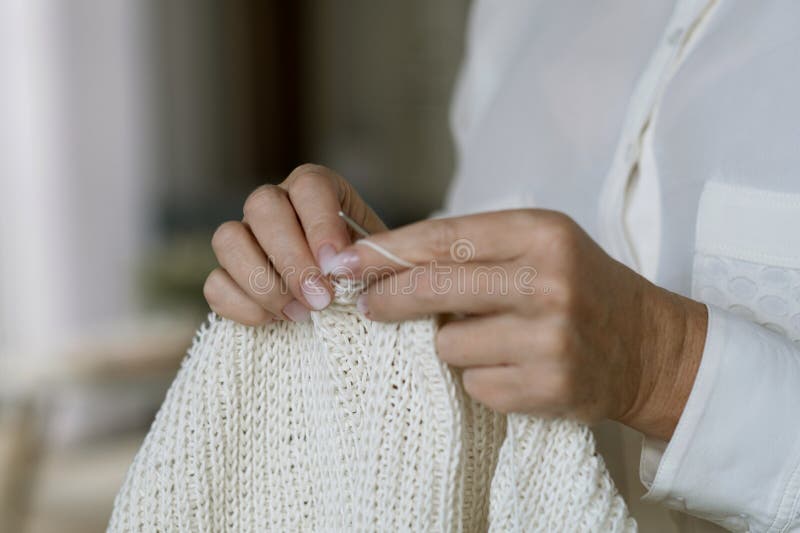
point(342, 264)
point(325, 255)
point(296, 311)
point(315, 292)
point(361, 304)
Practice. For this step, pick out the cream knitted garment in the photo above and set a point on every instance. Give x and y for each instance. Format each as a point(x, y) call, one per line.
point(343, 424)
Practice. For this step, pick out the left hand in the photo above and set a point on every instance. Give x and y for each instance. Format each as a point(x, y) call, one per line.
point(550, 323)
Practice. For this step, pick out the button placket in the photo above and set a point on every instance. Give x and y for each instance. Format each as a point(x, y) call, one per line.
point(632, 153)
point(675, 36)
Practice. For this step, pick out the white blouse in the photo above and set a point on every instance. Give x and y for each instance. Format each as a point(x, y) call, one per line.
point(671, 132)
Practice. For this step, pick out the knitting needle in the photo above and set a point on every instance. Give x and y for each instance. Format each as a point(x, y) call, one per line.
point(353, 224)
point(377, 247)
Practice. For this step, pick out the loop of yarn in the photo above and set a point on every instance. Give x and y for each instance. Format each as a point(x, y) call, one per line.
point(345, 290)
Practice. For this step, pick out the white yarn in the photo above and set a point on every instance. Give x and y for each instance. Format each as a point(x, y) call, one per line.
point(343, 424)
point(549, 478)
point(386, 253)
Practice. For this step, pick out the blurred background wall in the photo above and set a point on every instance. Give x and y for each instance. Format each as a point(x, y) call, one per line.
point(130, 130)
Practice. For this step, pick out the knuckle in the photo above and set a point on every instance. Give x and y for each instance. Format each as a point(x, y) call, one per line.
point(562, 294)
point(226, 236)
point(560, 232)
point(307, 168)
point(307, 178)
point(525, 219)
point(445, 233)
point(558, 219)
point(260, 200)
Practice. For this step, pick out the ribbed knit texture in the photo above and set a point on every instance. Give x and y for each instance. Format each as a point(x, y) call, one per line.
point(343, 424)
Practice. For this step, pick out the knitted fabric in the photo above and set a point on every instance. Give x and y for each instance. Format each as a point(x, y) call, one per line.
point(344, 424)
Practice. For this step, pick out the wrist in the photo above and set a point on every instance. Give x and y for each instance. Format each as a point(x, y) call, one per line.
point(673, 332)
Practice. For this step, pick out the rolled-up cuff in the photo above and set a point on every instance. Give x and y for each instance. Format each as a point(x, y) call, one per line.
point(734, 457)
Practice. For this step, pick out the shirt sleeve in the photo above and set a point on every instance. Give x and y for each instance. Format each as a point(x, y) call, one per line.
point(734, 458)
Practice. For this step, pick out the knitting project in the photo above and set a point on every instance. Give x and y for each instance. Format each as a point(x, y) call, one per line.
point(344, 424)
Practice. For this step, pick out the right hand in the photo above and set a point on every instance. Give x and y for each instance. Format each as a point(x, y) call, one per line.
point(272, 262)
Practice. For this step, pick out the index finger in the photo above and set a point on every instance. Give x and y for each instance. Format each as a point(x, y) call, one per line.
point(485, 237)
point(317, 195)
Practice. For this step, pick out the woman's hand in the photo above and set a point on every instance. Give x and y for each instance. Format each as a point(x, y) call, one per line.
point(270, 261)
point(550, 323)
